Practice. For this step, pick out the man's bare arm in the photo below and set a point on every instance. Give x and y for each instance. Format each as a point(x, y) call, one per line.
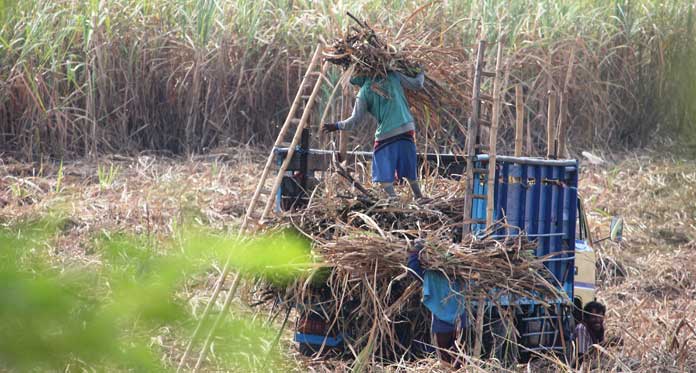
point(358, 115)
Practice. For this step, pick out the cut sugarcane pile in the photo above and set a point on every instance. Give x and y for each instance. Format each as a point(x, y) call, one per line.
point(365, 240)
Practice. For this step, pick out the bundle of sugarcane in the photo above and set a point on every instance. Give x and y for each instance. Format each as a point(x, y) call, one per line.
point(379, 318)
point(373, 54)
point(489, 267)
point(364, 253)
point(335, 207)
point(348, 217)
point(370, 53)
point(364, 237)
point(329, 218)
point(364, 290)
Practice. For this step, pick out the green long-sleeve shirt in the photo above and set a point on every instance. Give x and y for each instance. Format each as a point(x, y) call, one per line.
point(392, 112)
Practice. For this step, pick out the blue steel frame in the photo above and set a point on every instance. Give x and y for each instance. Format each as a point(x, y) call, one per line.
point(318, 340)
point(540, 197)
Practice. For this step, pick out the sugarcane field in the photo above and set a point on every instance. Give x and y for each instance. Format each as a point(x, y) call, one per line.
point(348, 186)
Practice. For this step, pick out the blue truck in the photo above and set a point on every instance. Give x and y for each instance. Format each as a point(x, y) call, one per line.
point(535, 195)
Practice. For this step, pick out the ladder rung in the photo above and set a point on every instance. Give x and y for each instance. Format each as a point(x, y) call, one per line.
point(488, 74)
point(295, 120)
point(265, 192)
point(479, 196)
point(486, 97)
point(484, 122)
point(480, 170)
point(306, 97)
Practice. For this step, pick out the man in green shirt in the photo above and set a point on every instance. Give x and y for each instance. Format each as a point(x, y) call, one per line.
point(394, 149)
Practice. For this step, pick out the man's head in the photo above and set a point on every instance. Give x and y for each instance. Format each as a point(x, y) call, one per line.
point(593, 317)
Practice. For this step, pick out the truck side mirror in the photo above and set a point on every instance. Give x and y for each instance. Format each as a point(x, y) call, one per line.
point(616, 229)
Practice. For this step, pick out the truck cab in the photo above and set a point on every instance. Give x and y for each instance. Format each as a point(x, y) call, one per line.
point(585, 261)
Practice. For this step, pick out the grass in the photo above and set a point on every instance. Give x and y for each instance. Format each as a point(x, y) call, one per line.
point(59, 177)
point(89, 77)
point(107, 176)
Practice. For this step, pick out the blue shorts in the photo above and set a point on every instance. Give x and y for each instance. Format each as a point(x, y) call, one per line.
point(398, 157)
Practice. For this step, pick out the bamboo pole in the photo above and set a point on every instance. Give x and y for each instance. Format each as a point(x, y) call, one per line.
point(250, 208)
point(223, 313)
point(346, 111)
point(293, 144)
point(519, 120)
point(478, 344)
point(490, 199)
point(551, 126)
point(329, 104)
point(342, 146)
point(529, 147)
point(472, 134)
point(559, 148)
point(562, 150)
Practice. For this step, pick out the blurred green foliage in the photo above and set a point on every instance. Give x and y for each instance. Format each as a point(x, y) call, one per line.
point(114, 316)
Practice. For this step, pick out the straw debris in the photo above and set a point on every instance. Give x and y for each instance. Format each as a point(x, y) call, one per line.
point(364, 289)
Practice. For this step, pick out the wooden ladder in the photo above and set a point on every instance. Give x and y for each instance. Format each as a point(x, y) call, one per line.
point(474, 144)
point(298, 116)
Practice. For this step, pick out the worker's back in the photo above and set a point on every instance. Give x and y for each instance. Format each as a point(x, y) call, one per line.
point(386, 102)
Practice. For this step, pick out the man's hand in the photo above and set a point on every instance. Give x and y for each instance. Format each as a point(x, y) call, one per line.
point(329, 127)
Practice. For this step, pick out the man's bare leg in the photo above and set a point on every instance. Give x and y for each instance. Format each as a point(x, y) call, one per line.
point(389, 189)
point(445, 344)
point(415, 187)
